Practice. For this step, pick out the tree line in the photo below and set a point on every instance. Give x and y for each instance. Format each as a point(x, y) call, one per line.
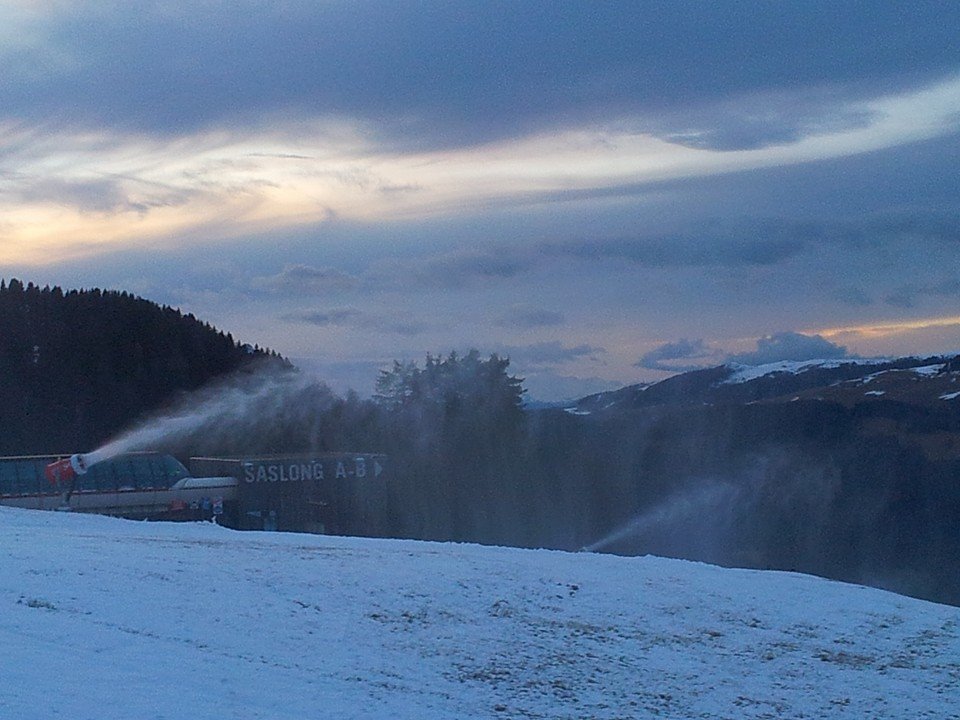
point(77, 367)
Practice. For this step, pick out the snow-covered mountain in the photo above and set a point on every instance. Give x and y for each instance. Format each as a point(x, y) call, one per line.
point(911, 379)
point(105, 618)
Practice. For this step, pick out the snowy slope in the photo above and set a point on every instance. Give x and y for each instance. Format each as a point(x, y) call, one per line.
point(106, 618)
point(746, 373)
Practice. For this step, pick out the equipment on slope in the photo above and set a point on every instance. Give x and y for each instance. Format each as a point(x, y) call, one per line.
point(65, 470)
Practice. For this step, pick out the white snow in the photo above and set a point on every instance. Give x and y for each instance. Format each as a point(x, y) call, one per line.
point(928, 370)
point(950, 396)
point(109, 619)
point(575, 411)
point(922, 370)
point(746, 373)
point(876, 393)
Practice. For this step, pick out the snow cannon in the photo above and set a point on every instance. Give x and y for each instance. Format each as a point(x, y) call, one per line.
point(65, 469)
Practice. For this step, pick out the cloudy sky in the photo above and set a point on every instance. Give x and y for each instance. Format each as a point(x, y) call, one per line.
point(605, 192)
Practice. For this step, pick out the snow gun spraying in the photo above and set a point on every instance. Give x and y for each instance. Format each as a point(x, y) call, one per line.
point(63, 472)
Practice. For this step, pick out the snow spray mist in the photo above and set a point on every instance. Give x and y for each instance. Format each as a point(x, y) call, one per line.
point(682, 507)
point(237, 407)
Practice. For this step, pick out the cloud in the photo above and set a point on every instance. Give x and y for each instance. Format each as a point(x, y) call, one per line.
point(779, 347)
point(323, 318)
point(402, 325)
point(852, 296)
point(878, 229)
point(527, 317)
point(359, 319)
point(450, 271)
point(760, 242)
point(439, 74)
point(907, 296)
point(790, 346)
point(546, 354)
point(234, 181)
point(705, 251)
point(904, 297)
point(764, 119)
point(893, 329)
point(928, 225)
point(92, 195)
point(665, 356)
point(95, 195)
point(306, 280)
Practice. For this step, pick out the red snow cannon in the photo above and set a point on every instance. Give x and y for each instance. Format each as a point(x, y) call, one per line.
point(64, 470)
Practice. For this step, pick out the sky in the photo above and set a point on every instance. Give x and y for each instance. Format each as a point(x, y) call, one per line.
point(607, 193)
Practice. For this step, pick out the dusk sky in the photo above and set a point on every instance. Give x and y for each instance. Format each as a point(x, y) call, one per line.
point(605, 192)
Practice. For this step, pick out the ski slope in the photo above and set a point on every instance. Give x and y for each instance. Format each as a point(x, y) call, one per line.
point(105, 618)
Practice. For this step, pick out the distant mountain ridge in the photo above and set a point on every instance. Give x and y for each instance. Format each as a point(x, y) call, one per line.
point(786, 381)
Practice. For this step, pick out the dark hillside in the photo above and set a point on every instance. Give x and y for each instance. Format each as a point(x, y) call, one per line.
point(721, 384)
point(77, 366)
point(866, 492)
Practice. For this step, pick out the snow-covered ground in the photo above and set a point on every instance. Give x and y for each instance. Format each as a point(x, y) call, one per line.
point(105, 618)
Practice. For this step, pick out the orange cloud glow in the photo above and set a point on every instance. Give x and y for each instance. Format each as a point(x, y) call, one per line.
point(888, 329)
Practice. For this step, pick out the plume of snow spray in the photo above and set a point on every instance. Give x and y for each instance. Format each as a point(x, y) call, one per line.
point(682, 507)
point(237, 407)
